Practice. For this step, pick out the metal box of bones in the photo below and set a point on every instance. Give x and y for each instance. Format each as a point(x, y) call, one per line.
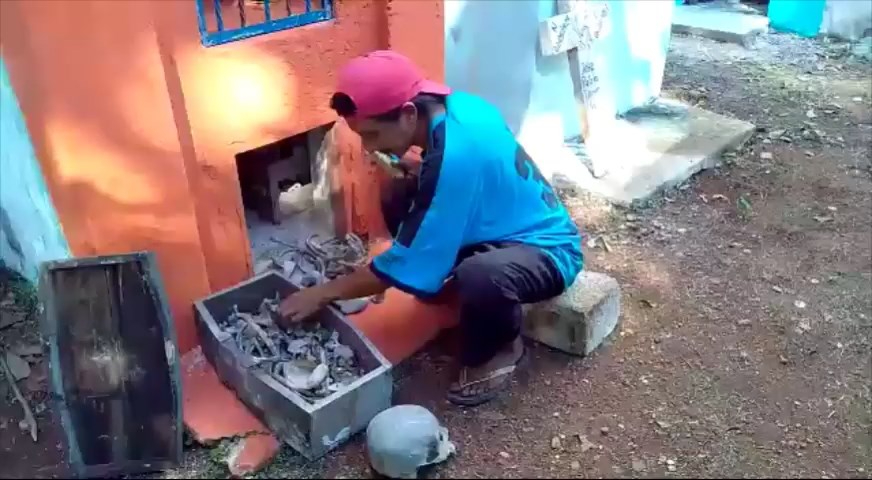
point(312, 417)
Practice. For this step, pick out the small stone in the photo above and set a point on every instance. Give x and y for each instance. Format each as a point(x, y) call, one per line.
point(743, 322)
point(670, 468)
point(832, 208)
point(23, 425)
point(665, 425)
point(809, 153)
point(585, 443)
point(766, 155)
point(555, 443)
point(799, 304)
point(575, 465)
point(778, 289)
point(814, 281)
point(630, 217)
point(492, 416)
point(810, 114)
point(604, 430)
point(670, 462)
point(505, 455)
point(639, 465)
point(556, 414)
point(661, 459)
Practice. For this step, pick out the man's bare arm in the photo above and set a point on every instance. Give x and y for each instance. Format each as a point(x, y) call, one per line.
point(360, 283)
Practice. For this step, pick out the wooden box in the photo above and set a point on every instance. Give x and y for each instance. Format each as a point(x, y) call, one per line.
point(313, 429)
point(114, 363)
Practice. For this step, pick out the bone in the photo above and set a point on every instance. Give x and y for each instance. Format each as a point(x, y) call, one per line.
point(308, 359)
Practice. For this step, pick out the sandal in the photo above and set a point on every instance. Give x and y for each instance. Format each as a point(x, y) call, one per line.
point(476, 392)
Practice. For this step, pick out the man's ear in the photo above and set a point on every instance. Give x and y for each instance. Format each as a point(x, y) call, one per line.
point(409, 109)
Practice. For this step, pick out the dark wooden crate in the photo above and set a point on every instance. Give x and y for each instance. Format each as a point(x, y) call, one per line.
point(113, 362)
point(313, 429)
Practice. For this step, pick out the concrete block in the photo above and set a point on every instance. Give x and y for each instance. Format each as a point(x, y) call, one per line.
point(578, 321)
point(719, 24)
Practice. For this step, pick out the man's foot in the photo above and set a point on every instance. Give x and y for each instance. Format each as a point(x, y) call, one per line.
point(481, 384)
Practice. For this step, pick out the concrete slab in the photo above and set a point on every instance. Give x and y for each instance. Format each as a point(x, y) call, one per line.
point(653, 148)
point(718, 23)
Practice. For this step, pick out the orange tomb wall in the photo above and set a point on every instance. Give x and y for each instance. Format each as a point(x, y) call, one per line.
point(136, 126)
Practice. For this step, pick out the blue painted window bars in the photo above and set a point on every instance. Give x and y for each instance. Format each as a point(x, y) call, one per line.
point(256, 17)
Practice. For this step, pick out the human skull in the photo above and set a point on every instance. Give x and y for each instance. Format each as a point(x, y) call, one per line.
point(405, 437)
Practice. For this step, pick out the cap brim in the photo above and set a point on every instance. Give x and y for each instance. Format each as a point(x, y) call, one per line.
point(435, 88)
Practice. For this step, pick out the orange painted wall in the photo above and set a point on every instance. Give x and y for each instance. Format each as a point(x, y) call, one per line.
point(136, 124)
point(90, 82)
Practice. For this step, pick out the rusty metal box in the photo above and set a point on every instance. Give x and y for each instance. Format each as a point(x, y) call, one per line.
point(313, 429)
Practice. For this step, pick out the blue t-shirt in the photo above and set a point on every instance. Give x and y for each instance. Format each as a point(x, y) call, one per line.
point(476, 185)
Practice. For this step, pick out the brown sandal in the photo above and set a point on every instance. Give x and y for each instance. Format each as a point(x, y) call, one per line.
point(466, 394)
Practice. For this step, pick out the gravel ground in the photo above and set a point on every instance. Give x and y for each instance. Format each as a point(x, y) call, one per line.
point(744, 348)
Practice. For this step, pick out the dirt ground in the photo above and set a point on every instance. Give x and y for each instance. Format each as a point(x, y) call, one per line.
point(744, 348)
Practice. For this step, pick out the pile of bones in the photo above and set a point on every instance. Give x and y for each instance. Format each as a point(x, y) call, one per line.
point(307, 359)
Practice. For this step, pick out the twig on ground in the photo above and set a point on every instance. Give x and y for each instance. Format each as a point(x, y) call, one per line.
point(28, 413)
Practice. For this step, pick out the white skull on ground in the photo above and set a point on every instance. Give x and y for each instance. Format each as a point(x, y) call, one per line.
point(403, 438)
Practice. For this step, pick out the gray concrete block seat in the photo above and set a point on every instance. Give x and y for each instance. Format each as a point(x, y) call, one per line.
point(577, 321)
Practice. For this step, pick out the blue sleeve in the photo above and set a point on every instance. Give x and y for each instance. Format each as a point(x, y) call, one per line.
point(426, 246)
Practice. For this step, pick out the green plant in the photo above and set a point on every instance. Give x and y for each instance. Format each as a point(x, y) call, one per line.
point(744, 208)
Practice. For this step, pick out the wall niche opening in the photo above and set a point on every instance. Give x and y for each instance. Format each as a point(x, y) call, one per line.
point(285, 189)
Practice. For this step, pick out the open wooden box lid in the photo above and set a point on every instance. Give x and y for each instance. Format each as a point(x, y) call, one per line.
point(113, 362)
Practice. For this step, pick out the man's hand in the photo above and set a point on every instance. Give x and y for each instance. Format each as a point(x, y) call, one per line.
point(298, 306)
point(302, 304)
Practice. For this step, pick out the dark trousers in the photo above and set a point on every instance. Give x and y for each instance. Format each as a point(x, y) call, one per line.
point(492, 281)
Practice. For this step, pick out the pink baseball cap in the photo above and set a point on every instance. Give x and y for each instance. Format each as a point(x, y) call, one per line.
point(383, 80)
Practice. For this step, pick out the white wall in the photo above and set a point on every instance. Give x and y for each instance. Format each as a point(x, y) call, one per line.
point(29, 228)
point(492, 50)
point(848, 19)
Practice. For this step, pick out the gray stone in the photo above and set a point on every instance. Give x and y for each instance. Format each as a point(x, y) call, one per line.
point(578, 321)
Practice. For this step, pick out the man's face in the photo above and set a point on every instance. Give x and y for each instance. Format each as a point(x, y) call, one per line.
point(390, 137)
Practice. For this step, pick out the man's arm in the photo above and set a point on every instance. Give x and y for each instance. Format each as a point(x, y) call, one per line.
point(359, 283)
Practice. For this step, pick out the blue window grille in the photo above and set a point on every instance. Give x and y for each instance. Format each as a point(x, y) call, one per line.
point(255, 17)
